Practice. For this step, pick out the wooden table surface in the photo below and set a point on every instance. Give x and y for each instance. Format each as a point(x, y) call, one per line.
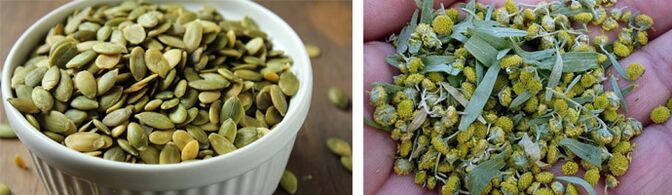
point(326, 24)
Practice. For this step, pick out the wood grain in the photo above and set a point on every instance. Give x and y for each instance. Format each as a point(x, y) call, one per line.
point(326, 24)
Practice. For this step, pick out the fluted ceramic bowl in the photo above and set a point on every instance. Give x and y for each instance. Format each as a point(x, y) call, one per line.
point(253, 169)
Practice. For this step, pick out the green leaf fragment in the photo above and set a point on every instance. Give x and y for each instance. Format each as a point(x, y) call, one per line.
point(427, 12)
point(578, 181)
point(482, 174)
point(375, 125)
point(555, 76)
point(481, 50)
point(587, 152)
point(573, 62)
point(480, 97)
point(405, 34)
point(619, 93)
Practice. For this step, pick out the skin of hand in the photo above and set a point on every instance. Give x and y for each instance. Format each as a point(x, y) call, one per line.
point(650, 168)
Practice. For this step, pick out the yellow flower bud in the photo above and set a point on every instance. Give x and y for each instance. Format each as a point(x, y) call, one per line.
point(440, 145)
point(544, 177)
point(468, 89)
point(660, 114)
point(415, 65)
point(469, 74)
point(511, 6)
point(621, 50)
point(511, 61)
point(583, 17)
point(543, 191)
point(405, 109)
point(642, 37)
point(644, 21)
point(525, 180)
point(570, 168)
point(634, 71)
point(420, 177)
point(592, 176)
point(505, 123)
point(442, 25)
point(404, 148)
point(451, 186)
point(571, 190)
point(413, 79)
point(435, 77)
point(618, 164)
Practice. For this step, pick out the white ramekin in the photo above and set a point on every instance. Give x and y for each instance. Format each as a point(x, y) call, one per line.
point(253, 169)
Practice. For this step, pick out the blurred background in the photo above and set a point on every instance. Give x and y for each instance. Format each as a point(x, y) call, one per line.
point(325, 24)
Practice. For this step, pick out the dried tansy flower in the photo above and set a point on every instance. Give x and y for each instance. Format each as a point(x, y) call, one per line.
point(487, 102)
point(153, 84)
point(660, 114)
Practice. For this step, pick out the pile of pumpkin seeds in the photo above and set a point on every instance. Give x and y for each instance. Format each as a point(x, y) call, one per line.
point(154, 84)
point(488, 101)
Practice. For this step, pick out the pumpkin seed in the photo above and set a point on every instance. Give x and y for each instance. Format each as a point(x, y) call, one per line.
point(161, 137)
point(232, 109)
point(104, 33)
point(34, 77)
point(288, 83)
point(127, 147)
point(207, 97)
point(25, 106)
point(84, 103)
point(220, 144)
point(339, 147)
point(338, 98)
point(190, 150)
point(51, 78)
point(179, 115)
point(170, 154)
point(104, 61)
point(254, 45)
point(181, 138)
point(86, 84)
point(6, 131)
point(150, 155)
point(84, 141)
point(137, 63)
point(228, 129)
point(208, 85)
point(214, 111)
point(136, 136)
point(135, 33)
point(42, 99)
point(117, 117)
point(65, 88)
point(172, 41)
point(192, 36)
point(109, 48)
point(288, 182)
point(173, 56)
point(278, 99)
point(115, 154)
point(156, 63)
point(107, 81)
point(346, 161)
point(155, 120)
point(62, 52)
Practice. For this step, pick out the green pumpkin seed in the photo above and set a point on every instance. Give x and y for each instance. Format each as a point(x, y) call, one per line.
point(192, 36)
point(107, 81)
point(6, 131)
point(84, 103)
point(101, 127)
point(278, 99)
point(181, 138)
point(190, 150)
point(288, 182)
point(117, 117)
point(214, 111)
point(127, 147)
point(313, 51)
point(288, 83)
point(207, 85)
point(161, 137)
point(198, 134)
point(136, 136)
point(84, 141)
point(180, 88)
point(115, 154)
point(248, 75)
point(34, 77)
point(220, 144)
point(346, 161)
point(62, 52)
point(156, 63)
point(155, 120)
point(272, 116)
point(150, 155)
point(137, 63)
point(338, 98)
point(54, 136)
point(253, 46)
point(263, 99)
point(112, 97)
point(232, 109)
point(104, 33)
point(81, 59)
point(42, 99)
point(25, 106)
point(170, 104)
point(104, 61)
point(168, 80)
point(246, 136)
point(24, 92)
point(109, 48)
point(65, 88)
point(179, 115)
point(77, 116)
point(51, 78)
point(149, 19)
point(135, 33)
point(153, 105)
point(228, 129)
point(86, 84)
point(207, 97)
point(172, 41)
point(170, 154)
point(173, 56)
point(159, 30)
point(339, 147)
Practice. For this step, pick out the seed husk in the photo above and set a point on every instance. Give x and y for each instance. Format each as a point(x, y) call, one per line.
point(155, 120)
point(339, 147)
point(86, 84)
point(84, 141)
point(170, 154)
point(288, 182)
point(6, 131)
point(221, 144)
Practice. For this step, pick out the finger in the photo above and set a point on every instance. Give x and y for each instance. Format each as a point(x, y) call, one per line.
point(403, 185)
point(378, 147)
point(655, 86)
point(384, 17)
point(650, 166)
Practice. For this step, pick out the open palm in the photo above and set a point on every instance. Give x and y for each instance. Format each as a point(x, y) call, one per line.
point(651, 167)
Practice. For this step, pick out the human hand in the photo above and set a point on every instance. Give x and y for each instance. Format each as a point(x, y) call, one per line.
point(650, 166)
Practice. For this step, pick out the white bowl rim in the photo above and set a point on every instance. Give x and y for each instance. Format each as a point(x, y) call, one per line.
point(303, 95)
